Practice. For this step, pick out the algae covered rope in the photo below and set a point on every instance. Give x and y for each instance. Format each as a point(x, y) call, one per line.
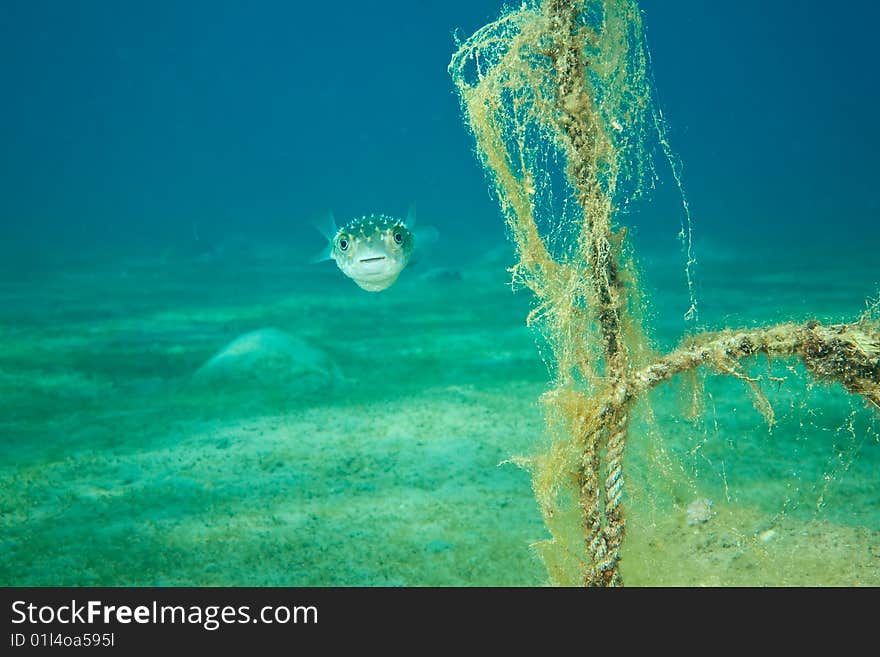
point(579, 122)
point(522, 42)
point(567, 82)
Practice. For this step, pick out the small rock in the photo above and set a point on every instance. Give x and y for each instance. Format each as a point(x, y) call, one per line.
point(268, 358)
point(699, 511)
point(767, 535)
point(441, 275)
point(438, 545)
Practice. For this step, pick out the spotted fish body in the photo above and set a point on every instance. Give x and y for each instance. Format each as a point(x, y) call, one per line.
point(371, 250)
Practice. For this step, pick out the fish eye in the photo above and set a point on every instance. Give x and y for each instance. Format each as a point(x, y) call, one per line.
point(398, 237)
point(343, 244)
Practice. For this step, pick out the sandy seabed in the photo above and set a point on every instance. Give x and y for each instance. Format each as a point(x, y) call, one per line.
point(363, 439)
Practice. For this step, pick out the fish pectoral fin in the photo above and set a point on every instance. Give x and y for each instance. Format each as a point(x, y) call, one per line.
point(325, 254)
point(425, 236)
point(411, 216)
point(326, 225)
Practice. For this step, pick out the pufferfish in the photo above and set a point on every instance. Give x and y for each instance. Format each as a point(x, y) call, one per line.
point(374, 249)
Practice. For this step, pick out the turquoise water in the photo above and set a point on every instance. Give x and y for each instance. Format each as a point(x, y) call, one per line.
point(158, 190)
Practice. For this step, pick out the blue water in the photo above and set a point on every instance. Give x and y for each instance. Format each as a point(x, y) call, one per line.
point(160, 168)
point(128, 123)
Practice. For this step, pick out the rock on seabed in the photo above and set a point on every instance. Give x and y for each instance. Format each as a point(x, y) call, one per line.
point(271, 358)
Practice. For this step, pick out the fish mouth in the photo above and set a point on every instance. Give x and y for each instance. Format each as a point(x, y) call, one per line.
point(376, 259)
